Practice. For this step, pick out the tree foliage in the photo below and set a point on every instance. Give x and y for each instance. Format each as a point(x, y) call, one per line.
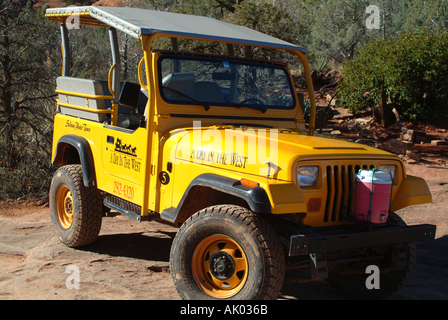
point(430, 15)
point(271, 20)
point(28, 66)
point(338, 27)
point(412, 68)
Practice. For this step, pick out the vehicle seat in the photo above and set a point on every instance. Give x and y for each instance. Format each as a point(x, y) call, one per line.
point(205, 91)
point(125, 118)
point(83, 86)
point(182, 81)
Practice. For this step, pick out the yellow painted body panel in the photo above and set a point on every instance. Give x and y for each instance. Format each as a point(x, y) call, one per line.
point(220, 132)
point(153, 166)
point(119, 166)
point(227, 151)
point(413, 190)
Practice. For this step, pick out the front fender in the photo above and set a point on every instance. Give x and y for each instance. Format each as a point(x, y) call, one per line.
point(413, 190)
point(256, 198)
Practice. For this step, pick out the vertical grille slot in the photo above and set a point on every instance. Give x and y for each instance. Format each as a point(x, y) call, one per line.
point(337, 193)
point(351, 181)
point(340, 180)
point(330, 194)
point(344, 192)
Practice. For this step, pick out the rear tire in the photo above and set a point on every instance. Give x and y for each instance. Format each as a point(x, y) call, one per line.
point(227, 252)
point(75, 210)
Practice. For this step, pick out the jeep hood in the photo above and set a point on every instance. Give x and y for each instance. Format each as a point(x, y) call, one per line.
point(260, 151)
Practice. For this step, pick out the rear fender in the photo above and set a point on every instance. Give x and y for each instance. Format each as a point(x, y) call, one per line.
point(85, 156)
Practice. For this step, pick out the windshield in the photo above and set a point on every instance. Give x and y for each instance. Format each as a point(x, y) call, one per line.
point(221, 82)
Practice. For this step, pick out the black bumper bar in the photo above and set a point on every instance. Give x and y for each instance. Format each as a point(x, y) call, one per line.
point(328, 243)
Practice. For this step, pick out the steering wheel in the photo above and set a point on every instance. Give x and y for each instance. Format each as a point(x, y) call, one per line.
point(253, 101)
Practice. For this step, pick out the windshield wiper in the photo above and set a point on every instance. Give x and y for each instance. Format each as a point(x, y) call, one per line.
point(184, 96)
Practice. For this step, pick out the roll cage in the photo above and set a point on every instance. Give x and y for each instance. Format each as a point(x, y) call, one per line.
point(148, 25)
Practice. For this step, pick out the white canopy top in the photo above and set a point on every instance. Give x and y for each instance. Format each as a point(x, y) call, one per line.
point(137, 22)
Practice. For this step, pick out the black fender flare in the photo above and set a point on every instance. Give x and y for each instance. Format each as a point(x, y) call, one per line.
point(256, 197)
point(85, 156)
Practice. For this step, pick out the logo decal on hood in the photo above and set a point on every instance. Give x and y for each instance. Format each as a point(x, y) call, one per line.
point(211, 156)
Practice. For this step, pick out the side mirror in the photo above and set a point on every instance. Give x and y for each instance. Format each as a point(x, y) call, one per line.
point(130, 95)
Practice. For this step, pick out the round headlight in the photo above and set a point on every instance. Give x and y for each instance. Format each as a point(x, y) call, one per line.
point(307, 176)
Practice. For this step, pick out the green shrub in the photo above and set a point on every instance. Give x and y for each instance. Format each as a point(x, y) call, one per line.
point(413, 70)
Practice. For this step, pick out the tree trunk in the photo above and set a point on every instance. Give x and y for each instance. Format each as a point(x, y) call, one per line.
point(383, 109)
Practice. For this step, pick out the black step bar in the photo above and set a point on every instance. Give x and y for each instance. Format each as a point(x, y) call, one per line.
point(125, 207)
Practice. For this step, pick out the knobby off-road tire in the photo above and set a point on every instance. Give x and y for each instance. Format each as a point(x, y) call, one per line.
point(76, 211)
point(354, 286)
point(227, 252)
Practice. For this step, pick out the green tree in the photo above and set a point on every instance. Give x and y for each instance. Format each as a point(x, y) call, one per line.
point(338, 27)
point(391, 21)
point(431, 15)
point(27, 68)
point(271, 20)
point(411, 68)
point(218, 9)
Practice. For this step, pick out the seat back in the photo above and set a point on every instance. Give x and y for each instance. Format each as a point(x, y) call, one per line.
point(183, 82)
point(205, 91)
point(81, 86)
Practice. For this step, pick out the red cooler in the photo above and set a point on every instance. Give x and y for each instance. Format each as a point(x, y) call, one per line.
point(372, 192)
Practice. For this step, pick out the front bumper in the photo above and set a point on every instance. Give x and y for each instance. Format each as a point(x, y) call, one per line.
point(329, 241)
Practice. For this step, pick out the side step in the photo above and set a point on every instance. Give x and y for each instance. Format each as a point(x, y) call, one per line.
point(127, 208)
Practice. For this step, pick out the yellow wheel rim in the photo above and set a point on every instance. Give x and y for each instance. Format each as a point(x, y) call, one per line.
point(64, 204)
point(219, 266)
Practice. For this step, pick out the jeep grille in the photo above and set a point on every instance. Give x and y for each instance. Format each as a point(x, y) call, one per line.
point(340, 180)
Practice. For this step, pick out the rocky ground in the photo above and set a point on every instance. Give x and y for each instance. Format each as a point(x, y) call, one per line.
point(130, 260)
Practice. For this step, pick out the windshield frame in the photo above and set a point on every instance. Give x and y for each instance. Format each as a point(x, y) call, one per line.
point(236, 60)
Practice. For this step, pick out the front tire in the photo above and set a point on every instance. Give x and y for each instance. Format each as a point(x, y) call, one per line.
point(75, 210)
point(227, 252)
point(353, 286)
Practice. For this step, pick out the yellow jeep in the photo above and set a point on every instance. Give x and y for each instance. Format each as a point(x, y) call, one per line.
point(217, 145)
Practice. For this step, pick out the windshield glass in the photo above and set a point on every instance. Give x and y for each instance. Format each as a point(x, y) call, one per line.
point(216, 81)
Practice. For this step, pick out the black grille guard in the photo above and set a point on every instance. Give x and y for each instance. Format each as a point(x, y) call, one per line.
point(335, 242)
